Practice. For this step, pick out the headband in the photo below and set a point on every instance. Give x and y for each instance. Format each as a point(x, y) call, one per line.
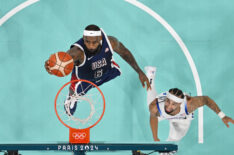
point(92, 33)
point(174, 98)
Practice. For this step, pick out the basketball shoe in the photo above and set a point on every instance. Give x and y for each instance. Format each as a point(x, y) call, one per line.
point(70, 105)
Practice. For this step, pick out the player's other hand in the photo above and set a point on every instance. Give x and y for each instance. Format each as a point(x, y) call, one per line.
point(226, 120)
point(143, 78)
point(47, 67)
point(156, 139)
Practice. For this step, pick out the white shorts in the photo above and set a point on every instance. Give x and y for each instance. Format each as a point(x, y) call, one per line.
point(178, 129)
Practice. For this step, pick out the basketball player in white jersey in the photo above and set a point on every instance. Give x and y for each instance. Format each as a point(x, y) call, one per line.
point(177, 107)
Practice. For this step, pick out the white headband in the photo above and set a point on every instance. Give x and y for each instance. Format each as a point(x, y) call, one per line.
point(92, 33)
point(174, 98)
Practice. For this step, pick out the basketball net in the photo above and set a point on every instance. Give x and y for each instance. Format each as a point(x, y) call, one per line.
point(80, 123)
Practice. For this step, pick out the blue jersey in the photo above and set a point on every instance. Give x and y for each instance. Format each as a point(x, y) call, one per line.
point(95, 66)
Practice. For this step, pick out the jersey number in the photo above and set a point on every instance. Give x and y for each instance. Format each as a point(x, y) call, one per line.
point(98, 73)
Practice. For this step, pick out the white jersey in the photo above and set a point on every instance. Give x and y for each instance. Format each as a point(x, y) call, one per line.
point(183, 114)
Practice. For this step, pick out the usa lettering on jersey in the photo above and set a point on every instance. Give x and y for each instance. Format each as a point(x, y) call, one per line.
point(98, 64)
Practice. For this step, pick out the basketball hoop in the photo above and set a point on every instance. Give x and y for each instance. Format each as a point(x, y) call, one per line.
point(89, 111)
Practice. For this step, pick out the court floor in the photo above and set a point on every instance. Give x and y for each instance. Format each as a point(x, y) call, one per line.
point(28, 37)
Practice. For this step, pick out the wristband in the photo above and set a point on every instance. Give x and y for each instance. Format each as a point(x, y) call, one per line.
point(221, 115)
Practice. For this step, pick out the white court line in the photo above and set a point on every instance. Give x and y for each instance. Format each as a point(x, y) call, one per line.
point(16, 9)
point(186, 53)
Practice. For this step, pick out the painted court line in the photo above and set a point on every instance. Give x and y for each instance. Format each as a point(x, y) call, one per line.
point(16, 10)
point(186, 53)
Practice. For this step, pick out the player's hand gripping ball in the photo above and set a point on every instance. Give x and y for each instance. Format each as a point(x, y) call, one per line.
point(60, 64)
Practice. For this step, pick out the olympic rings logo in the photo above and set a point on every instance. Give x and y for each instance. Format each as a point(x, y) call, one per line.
point(79, 135)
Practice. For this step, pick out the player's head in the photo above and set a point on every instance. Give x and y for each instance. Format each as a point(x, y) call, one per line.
point(92, 38)
point(174, 99)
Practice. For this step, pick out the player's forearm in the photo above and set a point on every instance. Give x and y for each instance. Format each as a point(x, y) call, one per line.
point(128, 57)
point(211, 104)
point(73, 54)
point(124, 53)
point(154, 127)
point(76, 54)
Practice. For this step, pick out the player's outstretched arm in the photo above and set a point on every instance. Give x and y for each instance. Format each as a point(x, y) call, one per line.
point(119, 48)
point(198, 101)
point(154, 120)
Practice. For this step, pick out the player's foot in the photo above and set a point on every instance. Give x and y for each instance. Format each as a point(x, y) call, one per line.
point(150, 73)
point(70, 105)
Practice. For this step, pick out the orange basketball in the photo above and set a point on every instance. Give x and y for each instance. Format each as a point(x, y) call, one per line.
point(61, 64)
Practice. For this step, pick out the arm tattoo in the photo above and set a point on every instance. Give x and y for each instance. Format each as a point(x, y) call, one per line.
point(194, 103)
point(119, 48)
point(199, 101)
point(212, 105)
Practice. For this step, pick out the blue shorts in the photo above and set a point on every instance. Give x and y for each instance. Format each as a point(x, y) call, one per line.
point(84, 87)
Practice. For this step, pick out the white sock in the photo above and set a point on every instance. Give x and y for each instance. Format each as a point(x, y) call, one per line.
point(151, 73)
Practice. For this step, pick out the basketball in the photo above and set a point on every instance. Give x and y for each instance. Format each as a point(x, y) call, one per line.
point(61, 64)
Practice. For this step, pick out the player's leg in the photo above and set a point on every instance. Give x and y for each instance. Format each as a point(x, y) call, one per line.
point(69, 102)
point(151, 73)
point(178, 129)
point(81, 88)
point(75, 89)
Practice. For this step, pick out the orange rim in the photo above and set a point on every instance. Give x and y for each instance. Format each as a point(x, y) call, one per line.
point(55, 103)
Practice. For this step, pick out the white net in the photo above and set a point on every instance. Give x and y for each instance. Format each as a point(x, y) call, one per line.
point(80, 110)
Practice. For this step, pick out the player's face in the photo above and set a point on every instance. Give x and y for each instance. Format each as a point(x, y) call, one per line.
point(92, 43)
point(171, 106)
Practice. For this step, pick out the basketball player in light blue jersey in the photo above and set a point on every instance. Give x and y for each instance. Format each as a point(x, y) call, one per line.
point(177, 107)
point(93, 59)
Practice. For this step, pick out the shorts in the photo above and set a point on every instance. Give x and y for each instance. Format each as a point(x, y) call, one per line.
point(83, 87)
